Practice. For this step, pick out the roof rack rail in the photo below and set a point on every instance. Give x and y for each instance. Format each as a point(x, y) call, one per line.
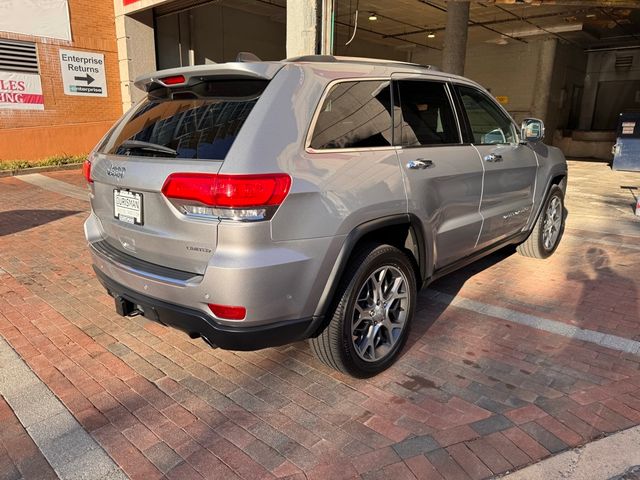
point(333, 58)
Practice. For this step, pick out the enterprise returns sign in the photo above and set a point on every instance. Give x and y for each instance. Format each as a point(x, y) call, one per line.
point(83, 73)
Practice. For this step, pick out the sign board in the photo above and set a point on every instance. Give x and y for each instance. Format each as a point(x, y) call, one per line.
point(502, 99)
point(83, 73)
point(628, 128)
point(20, 91)
point(41, 18)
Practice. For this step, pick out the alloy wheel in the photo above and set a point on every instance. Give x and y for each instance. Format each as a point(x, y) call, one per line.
point(552, 223)
point(380, 313)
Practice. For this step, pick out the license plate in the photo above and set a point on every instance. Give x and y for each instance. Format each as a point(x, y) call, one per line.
point(127, 206)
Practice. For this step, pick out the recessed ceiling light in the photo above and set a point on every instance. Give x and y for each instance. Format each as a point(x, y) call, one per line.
point(591, 15)
point(431, 35)
point(373, 17)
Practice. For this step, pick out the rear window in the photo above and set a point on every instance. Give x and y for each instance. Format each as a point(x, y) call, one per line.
point(198, 122)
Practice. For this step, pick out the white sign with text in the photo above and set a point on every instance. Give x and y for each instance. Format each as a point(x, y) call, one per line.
point(20, 91)
point(83, 73)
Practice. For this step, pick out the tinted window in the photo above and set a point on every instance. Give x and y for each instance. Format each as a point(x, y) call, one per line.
point(427, 115)
point(197, 122)
point(355, 114)
point(489, 125)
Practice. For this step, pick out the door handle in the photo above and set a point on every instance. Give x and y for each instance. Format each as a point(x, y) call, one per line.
point(493, 157)
point(420, 164)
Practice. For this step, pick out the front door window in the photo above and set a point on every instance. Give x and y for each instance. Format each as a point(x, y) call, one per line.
point(489, 125)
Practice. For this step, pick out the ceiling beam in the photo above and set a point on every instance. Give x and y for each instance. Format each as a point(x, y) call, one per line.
point(526, 20)
point(482, 24)
point(431, 47)
point(625, 28)
point(472, 23)
point(573, 3)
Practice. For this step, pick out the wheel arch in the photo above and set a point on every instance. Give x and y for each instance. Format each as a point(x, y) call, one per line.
point(559, 179)
point(404, 231)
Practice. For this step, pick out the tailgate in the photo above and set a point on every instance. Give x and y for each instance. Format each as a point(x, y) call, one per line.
point(185, 128)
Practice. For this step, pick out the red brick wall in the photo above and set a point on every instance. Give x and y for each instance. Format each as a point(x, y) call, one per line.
point(68, 124)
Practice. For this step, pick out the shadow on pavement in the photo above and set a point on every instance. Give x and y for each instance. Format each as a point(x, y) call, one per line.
point(603, 276)
point(428, 311)
point(14, 221)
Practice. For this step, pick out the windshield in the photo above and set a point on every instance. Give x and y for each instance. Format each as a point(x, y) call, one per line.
point(198, 122)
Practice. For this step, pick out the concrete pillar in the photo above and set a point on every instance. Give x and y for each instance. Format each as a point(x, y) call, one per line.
point(136, 50)
point(302, 27)
point(590, 92)
point(544, 75)
point(455, 37)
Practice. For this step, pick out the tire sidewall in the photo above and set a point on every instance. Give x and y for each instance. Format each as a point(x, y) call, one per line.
point(380, 256)
point(554, 192)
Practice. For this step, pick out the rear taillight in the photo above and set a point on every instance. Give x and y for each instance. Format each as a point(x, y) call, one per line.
point(239, 197)
point(86, 171)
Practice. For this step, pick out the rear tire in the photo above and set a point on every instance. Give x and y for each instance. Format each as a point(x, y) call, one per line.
point(547, 232)
point(372, 312)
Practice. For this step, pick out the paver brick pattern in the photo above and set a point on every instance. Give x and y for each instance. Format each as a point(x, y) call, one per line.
point(472, 396)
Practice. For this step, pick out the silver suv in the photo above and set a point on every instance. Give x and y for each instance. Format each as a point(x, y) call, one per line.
point(261, 203)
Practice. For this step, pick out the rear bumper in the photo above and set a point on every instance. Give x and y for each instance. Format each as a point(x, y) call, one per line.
point(197, 323)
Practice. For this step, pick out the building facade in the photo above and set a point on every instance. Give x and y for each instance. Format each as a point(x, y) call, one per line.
point(59, 76)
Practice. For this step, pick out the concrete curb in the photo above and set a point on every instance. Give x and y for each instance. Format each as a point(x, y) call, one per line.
point(70, 450)
point(48, 168)
point(57, 186)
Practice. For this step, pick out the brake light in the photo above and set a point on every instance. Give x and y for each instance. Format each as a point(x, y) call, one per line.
point(228, 312)
point(241, 197)
point(173, 80)
point(86, 171)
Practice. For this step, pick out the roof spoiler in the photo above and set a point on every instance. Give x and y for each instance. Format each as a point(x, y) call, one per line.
point(182, 76)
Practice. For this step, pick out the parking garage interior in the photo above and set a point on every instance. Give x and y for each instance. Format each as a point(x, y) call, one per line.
point(574, 64)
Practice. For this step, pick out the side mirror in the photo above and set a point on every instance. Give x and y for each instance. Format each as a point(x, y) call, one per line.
point(532, 130)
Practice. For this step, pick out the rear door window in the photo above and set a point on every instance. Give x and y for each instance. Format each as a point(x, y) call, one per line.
point(196, 122)
point(355, 115)
point(427, 115)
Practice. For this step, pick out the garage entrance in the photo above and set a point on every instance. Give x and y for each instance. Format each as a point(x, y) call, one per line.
point(195, 33)
point(540, 59)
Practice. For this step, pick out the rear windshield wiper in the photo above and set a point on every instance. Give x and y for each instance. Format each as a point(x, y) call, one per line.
point(153, 147)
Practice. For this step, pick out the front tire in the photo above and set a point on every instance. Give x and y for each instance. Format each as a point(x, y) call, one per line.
point(547, 232)
point(370, 320)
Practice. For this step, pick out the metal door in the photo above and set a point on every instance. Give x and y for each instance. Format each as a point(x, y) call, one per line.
point(443, 176)
point(509, 167)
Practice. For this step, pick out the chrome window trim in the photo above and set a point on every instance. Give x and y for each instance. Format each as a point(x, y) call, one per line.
point(391, 80)
point(351, 149)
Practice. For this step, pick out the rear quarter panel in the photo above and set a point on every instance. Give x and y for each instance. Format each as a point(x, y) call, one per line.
point(332, 191)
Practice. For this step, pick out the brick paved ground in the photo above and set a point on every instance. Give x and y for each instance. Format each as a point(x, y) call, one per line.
point(472, 396)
